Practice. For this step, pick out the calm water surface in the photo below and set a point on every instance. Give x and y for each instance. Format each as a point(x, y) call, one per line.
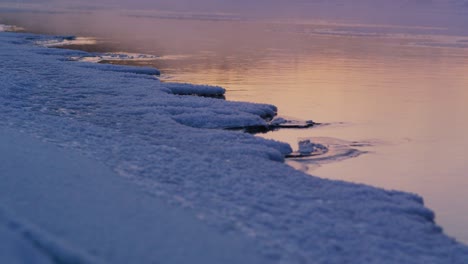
point(405, 91)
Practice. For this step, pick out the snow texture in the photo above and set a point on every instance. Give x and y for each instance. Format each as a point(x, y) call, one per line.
point(66, 40)
point(8, 28)
point(100, 164)
point(200, 90)
point(307, 147)
point(114, 56)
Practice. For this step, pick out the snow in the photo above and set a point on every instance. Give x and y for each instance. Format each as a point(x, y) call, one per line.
point(101, 164)
point(200, 90)
point(317, 151)
point(95, 209)
point(115, 56)
point(16, 250)
point(8, 28)
point(67, 40)
point(37, 246)
point(306, 147)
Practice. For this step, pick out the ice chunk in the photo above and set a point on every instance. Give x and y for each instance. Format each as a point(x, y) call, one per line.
point(306, 147)
point(281, 122)
point(316, 151)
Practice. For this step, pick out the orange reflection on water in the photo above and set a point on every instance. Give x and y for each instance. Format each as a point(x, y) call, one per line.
point(410, 100)
point(395, 90)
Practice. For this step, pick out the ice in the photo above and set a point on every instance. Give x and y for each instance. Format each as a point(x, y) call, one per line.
point(67, 40)
point(102, 164)
point(200, 90)
point(281, 122)
point(316, 151)
point(276, 123)
point(9, 28)
point(3, 28)
point(306, 147)
point(126, 56)
point(114, 57)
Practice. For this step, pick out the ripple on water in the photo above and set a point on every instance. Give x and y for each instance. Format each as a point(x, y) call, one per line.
point(316, 151)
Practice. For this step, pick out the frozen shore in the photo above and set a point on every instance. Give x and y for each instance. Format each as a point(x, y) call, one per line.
point(103, 164)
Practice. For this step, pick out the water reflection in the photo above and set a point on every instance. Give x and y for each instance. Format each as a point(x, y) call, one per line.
point(410, 99)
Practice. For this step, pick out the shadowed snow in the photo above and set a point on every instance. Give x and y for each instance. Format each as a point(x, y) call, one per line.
point(118, 167)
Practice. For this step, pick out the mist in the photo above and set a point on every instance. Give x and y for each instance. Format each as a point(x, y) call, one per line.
point(224, 26)
point(445, 13)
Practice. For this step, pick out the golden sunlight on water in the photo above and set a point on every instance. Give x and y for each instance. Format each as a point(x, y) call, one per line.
point(409, 102)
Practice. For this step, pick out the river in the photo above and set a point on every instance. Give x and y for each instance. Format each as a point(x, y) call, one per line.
point(399, 93)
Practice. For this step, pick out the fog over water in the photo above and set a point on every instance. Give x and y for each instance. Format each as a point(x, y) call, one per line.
point(391, 73)
point(409, 12)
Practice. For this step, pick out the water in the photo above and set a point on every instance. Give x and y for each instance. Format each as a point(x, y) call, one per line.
point(400, 91)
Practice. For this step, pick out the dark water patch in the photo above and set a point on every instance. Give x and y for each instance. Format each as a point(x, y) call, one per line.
point(277, 124)
point(89, 47)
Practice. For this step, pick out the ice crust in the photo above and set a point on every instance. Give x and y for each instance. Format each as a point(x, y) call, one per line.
point(118, 167)
point(66, 40)
point(190, 89)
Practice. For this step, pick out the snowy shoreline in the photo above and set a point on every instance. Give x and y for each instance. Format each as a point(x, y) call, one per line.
point(127, 148)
